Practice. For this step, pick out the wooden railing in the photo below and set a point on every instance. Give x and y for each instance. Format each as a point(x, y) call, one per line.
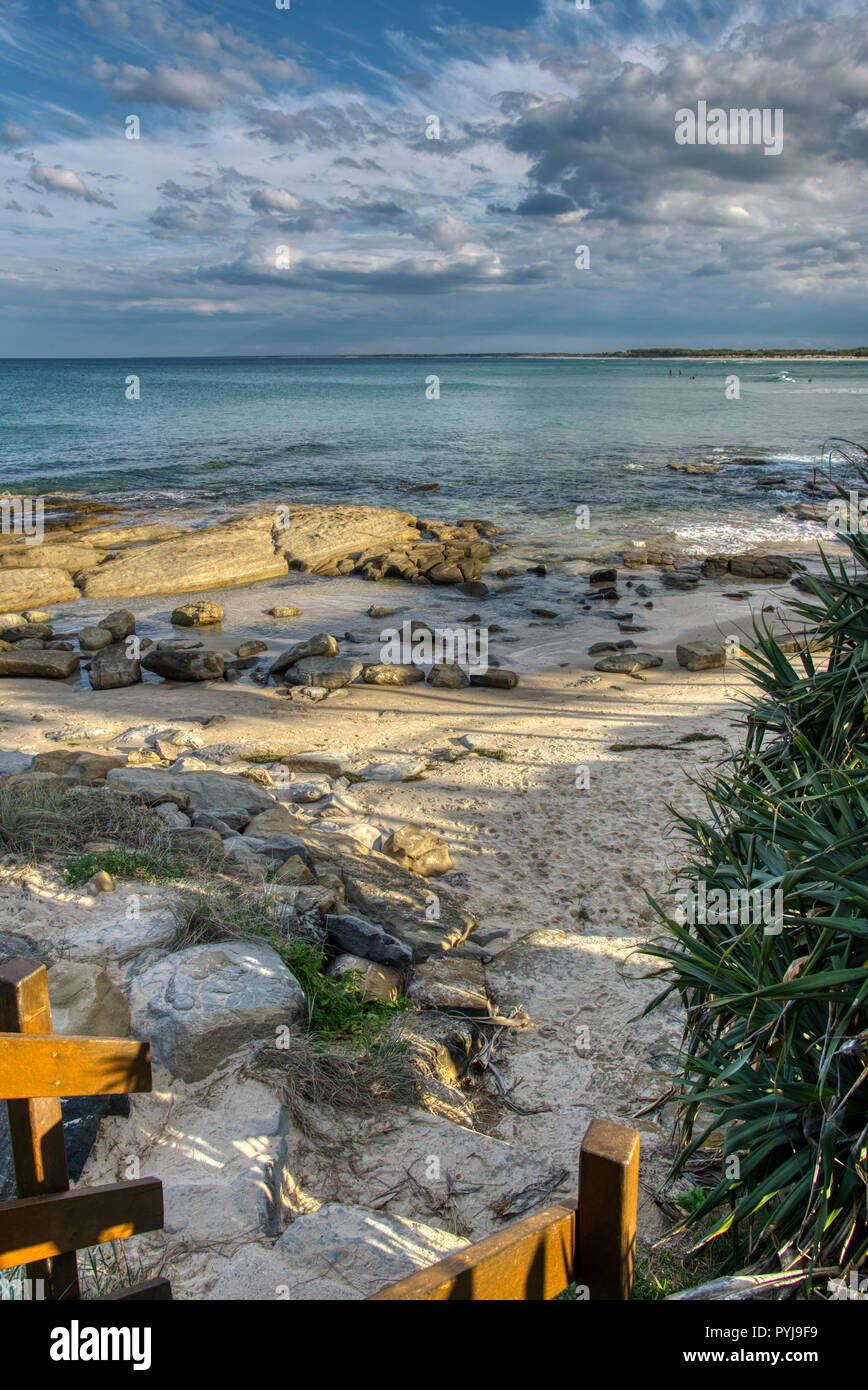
point(48, 1223)
point(589, 1242)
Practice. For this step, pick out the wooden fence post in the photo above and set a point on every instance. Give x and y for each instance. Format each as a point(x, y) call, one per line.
point(606, 1223)
point(36, 1126)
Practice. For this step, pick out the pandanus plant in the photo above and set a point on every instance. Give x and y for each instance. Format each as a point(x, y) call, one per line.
point(773, 1071)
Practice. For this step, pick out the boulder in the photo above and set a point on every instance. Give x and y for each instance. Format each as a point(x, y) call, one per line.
point(392, 673)
point(496, 678)
point(276, 820)
point(200, 1005)
point(47, 665)
point(373, 980)
point(250, 649)
point(85, 1002)
point(625, 663)
point(112, 939)
point(359, 937)
point(185, 664)
point(423, 851)
point(330, 672)
point(700, 655)
point(77, 762)
point(199, 790)
point(199, 614)
point(12, 762)
point(332, 763)
point(239, 551)
point(446, 983)
point(226, 820)
point(21, 587)
point(448, 674)
point(284, 610)
point(120, 624)
point(93, 639)
point(113, 668)
point(321, 644)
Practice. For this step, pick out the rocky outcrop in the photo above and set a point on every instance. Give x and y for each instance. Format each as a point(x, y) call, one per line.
point(233, 552)
point(749, 566)
point(20, 588)
point(62, 556)
point(317, 536)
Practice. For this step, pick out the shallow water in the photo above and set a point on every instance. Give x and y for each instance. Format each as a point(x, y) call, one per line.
point(520, 441)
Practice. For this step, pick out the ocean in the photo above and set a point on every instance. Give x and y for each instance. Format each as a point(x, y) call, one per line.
point(519, 441)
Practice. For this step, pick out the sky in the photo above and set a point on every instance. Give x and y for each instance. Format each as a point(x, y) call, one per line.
point(390, 177)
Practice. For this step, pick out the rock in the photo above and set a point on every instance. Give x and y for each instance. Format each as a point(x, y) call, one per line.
point(45, 665)
point(113, 668)
point(11, 762)
point(93, 639)
point(607, 577)
point(199, 614)
point(14, 944)
point(423, 851)
point(627, 662)
point(285, 610)
point(195, 840)
point(449, 675)
point(277, 820)
point(172, 817)
point(373, 981)
point(680, 579)
point(395, 768)
point(313, 693)
point(500, 679)
point(253, 648)
point(200, 1005)
point(444, 983)
point(331, 763)
point(77, 762)
point(85, 1002)
point(19, 587)
point(474, 588)
point(319, 535)
point(381, 891)
point(312, 789)
point(359, 937)
point(377, 611)
point(360, 832)
point(392, 673)
point(330, 672)
point(599, 647)
point(100, 882)
point(111, 939)
point(321, 644)
point(203, 790)
point(700, 655)
point(232, 552)
point(185, 664)
point(279, 848)
point(120, 624)
point(749, 566)
point(228, 819)
point(336, 1253)
point(21, 632)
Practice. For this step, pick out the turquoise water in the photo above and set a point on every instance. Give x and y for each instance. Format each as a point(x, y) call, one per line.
point(522, 442)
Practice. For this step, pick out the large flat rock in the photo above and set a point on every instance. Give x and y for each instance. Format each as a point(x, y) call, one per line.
point(234, 552)
point(48, 665)
point(67, 556)
point(208, 791)
point(32, 588)
point(317, 535)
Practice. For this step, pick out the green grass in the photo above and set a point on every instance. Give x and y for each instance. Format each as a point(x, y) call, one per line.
point(337, 1007)
point(154, 866)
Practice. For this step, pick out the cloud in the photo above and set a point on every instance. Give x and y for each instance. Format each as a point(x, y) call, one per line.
point(183, 88)
point(56, 179)
point(12, 134)
point(274, 200)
